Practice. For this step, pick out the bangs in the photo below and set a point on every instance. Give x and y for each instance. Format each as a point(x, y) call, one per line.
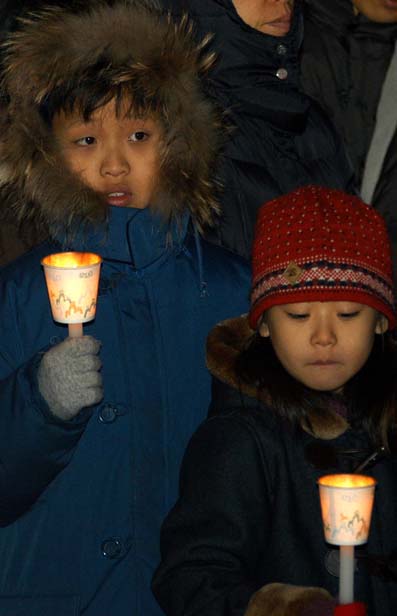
point(95, 90)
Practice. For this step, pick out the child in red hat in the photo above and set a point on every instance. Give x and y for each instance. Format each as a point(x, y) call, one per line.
point(305, 385)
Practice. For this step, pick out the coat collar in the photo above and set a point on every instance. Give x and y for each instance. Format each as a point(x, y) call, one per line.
point(135, 236)
point(225, 341)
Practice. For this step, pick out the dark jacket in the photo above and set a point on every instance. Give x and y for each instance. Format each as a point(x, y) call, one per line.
point(81, 502)
point(281, 139)
point(249, 514)
point(344, 63)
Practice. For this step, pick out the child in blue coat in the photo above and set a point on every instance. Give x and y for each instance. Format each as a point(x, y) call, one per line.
point(108, 144)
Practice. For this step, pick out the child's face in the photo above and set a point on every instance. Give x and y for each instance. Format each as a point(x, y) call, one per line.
point(117, 156)
point(322, 344)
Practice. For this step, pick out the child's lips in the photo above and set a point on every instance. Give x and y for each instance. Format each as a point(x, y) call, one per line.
point(119, 198)
point(324, 362)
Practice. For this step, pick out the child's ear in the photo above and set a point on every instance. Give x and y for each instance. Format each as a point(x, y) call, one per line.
point(382, 324)
point(264, 329)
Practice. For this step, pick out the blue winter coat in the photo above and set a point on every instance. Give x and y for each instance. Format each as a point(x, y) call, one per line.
point(81, 502)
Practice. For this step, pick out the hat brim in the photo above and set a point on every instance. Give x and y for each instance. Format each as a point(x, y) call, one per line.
point(325, 294)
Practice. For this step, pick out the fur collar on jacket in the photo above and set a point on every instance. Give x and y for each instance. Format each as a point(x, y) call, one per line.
point(134, 45)
point(225, 341)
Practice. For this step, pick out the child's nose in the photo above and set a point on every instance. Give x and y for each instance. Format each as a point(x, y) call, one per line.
point(323, 334)
point(114, 163)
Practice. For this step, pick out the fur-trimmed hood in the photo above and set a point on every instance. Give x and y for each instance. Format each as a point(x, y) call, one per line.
point(131, 44)
point(225, 342)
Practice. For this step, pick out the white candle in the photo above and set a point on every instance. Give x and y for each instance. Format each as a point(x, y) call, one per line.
point(346, 574)
point(75, 330)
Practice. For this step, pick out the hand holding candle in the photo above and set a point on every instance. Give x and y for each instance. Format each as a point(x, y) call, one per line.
point(69, 376)
point(346, 507)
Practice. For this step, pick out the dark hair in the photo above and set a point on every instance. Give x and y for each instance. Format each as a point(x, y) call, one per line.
point(94, 89)
point(370, 396)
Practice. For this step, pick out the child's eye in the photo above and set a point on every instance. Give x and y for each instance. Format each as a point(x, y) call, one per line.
point(297, 316)
point(139, 135)
point(84, 141)
point(349, 315)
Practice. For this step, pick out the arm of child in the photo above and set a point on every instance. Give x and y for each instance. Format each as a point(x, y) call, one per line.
point(209, 545)
point(214, 539)
point(39, 431)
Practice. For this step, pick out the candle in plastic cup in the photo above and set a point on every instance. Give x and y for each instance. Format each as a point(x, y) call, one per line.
point(72, 282)
point(346, 508)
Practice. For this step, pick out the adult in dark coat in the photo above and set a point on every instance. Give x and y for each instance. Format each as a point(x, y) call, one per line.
point(347, 49)
point(281, 139)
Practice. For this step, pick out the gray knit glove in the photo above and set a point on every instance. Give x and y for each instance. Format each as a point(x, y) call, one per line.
point(69, 378)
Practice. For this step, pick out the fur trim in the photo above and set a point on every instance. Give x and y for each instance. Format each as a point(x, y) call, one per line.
point(224, 343)
point(136, 47)
point(285, 600)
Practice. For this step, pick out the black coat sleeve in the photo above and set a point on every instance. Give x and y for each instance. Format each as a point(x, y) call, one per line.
point(213, 539)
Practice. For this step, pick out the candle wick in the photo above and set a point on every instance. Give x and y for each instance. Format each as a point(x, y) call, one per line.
point(373, 457)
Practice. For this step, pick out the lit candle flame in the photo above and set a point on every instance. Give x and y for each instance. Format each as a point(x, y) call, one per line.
point(71, 259)
point(347, 481)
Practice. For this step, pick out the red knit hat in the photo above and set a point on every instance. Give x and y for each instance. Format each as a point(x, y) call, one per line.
point(320, 244)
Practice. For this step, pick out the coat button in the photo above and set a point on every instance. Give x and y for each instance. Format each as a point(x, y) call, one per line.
point(55, 340)
point(108, 414)
point(281, 49)
point(111, 548)
point(331, 562)
point(282, 73)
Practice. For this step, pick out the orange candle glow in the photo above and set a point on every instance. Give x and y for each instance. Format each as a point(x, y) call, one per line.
point(346, 505)
point(72, 282)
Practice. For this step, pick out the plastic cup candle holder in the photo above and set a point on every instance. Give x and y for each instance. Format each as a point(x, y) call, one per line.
point(72, 283)
point(346, 508)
